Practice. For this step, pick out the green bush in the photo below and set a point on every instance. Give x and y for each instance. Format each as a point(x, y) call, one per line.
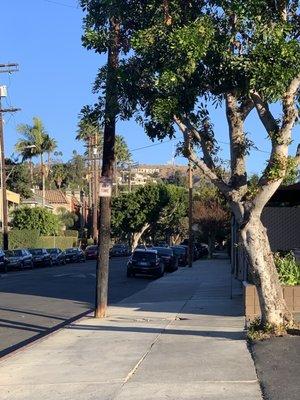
point(35, 218)
point(21, 238)
point(71, 233)
point(61, 242)
point(288, 269)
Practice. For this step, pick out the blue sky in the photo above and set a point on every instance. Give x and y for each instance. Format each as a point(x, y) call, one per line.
point(56, 76)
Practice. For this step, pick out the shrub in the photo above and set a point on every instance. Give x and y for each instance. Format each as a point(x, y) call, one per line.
point(71, 233)
point(36, 218)
point(288, 269)
point(21, 238)
point(61, 242)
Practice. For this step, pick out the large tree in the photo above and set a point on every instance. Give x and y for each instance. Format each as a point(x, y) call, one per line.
point(148, 208)
point(243, 56)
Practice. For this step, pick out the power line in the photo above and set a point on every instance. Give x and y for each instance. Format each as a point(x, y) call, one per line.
point(61, 4)
point(172, 140)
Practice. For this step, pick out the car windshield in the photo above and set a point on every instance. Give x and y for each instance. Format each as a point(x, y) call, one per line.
point(18, 253)
point(36, 252)
point(162, 251)
point(118, 246)
point(9, 253)
point(143, 256)
point(52, 251)
point(71, 250)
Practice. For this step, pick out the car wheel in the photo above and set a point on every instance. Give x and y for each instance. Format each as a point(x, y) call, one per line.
point(21, 265)
point(31, 264)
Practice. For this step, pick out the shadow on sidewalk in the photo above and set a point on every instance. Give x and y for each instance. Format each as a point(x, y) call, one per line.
point(238, 335)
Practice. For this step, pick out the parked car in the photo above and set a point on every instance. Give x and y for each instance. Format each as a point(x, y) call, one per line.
point(19, 258)
point(181, 254)
point(202, 249)
point(58, 256)
point(3, 261)
point(74, 254)
point(168, 258)
point(40, 257)
point(91, 252)
point(145, 262)
point(196, 253)
point(120, 250)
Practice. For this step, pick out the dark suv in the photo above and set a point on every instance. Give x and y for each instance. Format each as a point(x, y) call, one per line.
point(168, 258)
point(119, 250)
point(145, 262)
point(40, 257)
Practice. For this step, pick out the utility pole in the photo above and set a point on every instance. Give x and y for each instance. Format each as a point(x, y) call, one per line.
point(95, 195)
point(4, 68)
point(191, 235)
point(108, 161)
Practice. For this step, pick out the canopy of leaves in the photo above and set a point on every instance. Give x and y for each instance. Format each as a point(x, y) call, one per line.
point(35, 141)
point(160, 206)
point(18, 178)
point(36, 218)
point(210, 48)
point(67, 218)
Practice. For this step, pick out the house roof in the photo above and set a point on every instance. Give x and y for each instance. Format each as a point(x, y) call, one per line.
point(53, 196)
point(36, 200)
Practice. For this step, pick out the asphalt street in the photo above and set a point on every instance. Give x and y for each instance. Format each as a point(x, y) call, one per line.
point(32, 302)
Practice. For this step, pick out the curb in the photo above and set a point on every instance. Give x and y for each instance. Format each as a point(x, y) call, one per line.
point(25, 344)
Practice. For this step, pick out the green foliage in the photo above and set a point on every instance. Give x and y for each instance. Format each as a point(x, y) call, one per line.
point(161, 206)
point(56, 241)
point(71, 233)
point(288, 269)
point(67, 218)
point(35, 141)
point(36, 218)
point(122, 152)
point(292, 172)
point(31, 238)
point(25, 238)
point(18, 178)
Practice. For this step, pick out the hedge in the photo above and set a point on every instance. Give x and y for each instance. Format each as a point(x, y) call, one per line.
point(71, 233)
point(25, 238)
point(61, 242)
point(29, 238)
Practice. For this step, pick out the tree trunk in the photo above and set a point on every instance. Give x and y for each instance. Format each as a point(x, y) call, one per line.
point(108, 159)
point(136, 237)
point(210, 245)
point(262, 267)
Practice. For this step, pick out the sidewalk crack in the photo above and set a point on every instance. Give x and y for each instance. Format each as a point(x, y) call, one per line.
point(145, 355)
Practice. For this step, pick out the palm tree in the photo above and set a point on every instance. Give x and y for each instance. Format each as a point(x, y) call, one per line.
point(49, 145)
point(35, 142)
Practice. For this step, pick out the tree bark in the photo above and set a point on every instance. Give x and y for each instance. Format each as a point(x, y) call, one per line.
point(137, 236)
point(257, 248)
point(111, 112)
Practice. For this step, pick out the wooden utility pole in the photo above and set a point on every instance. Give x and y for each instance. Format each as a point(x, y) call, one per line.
point(108, 161)
point(3, 182)
point(95, 195)
point(4, 68)
point(191, 235)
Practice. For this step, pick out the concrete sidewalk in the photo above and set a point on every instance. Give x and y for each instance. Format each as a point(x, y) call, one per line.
point(181, 338)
